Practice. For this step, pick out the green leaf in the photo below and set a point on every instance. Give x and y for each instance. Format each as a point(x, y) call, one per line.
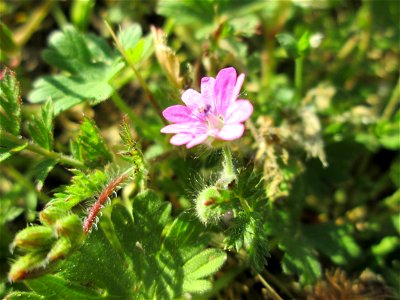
point(41, 128)
point(24, 296)
point(204, 264)
point(336, 242)
point(289, 43)
point(248, 232)
point(7, 151)
point(388, 133)
point(10, 102)
point(53, 287)
point(300, 259)
point(130, 36)
point(197, 286)
point(90, 147)
point(90, 65)
point(7, 43)
point(41, 170)
point(293, 47)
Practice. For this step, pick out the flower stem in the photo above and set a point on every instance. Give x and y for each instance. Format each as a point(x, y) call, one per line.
point(298, 78)
point(228, 174)
point(228, 164)
point(61, 158)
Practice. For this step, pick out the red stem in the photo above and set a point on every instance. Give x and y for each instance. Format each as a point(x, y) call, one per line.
point(87, 225)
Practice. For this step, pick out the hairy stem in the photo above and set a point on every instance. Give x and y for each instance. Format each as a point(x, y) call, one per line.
point(61, 158)
point(228, 164)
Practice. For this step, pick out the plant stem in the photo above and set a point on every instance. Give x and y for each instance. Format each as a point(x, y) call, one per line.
point(228, 164)
point(298, 78)
point(142, 83)
point(269, 288)
point(61, 158)
point(393, 102)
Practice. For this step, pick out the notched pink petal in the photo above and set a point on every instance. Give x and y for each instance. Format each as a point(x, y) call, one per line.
point(231, 132)
point(192, 127)
point(178, 114)
point(237, 88)
point(207, 91)
point(197, 140)
point(192, 98)
point(223, 89)
point(238, 112)
point(180, 139)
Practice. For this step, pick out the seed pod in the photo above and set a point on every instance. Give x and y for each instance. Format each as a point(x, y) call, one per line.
point(210, 205)
point(60, 249)
point(34, 238)
point(27, 266)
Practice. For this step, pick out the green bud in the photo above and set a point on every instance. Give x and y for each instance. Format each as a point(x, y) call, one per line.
point(60, 249)
point(51, 214)
point(70, 227)
point(34, 238)
point(210, 205)
point(27, 266)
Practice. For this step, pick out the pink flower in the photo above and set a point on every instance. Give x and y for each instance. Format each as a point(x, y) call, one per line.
point(214, 114)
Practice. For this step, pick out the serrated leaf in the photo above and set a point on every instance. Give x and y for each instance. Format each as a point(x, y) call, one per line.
point(204, 264)
point(300, 259)
point(41, 170)
point(10, 102)
point(41, 128)
point(248, 232)
point(90, 64)
point(90, 147)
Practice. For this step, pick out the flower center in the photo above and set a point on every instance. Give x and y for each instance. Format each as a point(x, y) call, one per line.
point(215, 122)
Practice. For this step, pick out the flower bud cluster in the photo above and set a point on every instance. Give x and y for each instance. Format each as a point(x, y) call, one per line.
point(42, 245)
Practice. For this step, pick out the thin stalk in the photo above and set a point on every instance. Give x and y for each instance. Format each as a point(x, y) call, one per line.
point(298, 78)
point(61, 158)
point(393, 102)
point(142, 83)
point(228, 164)
point(269, 288)
point(279, 284)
